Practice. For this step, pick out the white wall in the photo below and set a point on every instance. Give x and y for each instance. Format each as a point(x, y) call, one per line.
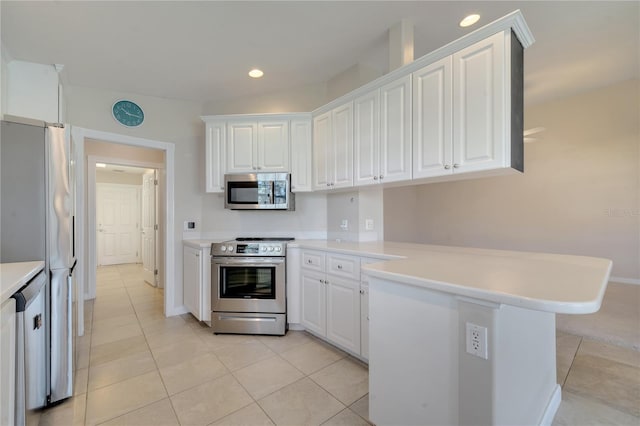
point(356, 207)
point(579, 194)
point(298, 99)
point(166, 120)
point(309, 220)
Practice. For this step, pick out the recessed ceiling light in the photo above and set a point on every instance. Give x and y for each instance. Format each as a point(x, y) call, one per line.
point(256, 73)
point(469, 20)
point(101, 165)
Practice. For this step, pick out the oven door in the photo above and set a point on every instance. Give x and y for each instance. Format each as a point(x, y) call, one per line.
point(245, 284)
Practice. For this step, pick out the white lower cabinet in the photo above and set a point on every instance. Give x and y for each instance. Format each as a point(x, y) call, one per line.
point(8, 362)
point(196, 281)
point(364, 320)
point(330, 298)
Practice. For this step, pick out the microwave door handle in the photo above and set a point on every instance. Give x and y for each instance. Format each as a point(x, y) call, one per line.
point(273, 193)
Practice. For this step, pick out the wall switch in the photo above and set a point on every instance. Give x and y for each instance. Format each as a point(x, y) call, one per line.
point(189, 225)
point(368, 224)
point(344, 225)
point(477, 340)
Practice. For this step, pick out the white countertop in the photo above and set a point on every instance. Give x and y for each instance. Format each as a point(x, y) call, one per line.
point(199, 243)
point(545, 282)
point(14, 275)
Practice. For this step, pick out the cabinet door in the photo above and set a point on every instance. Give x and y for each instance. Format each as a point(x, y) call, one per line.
point(191, 280)
point(432, 96)
point(241, 142)
point(8, 362)
point(364, 320)
point(322, 125)
point(214, 157)
point(366, 124)
point(205, 284)
point(395, 130)
point(341, 153)
point(314, 304)
point(301, 164)
point(273, 146)
point(478, 115)
point(343, 312)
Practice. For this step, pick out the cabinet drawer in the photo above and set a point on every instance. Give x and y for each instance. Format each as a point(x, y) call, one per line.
point(313, 260)
point(344, 266)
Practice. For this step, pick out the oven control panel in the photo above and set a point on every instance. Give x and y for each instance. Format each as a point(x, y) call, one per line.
point(233, 248)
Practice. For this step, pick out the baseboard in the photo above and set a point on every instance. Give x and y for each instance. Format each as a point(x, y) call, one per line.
point(552, 407)
point(622, 280)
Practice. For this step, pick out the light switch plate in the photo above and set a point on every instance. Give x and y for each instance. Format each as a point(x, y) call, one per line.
point(189, 225)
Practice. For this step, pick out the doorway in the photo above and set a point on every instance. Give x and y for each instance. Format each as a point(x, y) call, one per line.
point(86, 226)
point(127, 223)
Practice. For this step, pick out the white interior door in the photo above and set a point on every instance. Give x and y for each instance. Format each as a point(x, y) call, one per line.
point(148, 227)
point(117, 214)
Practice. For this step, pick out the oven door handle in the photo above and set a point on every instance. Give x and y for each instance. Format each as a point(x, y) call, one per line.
point(249, 261)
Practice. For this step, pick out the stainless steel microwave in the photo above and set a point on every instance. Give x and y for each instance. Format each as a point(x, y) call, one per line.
point(258, 191)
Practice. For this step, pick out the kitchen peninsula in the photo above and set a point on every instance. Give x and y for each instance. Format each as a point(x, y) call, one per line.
point(429, 306)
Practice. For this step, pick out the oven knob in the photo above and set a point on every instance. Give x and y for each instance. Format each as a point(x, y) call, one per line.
point(278, 249)
point(263, 248)
point(270, 248)
point(223, 248)
point(230, 248)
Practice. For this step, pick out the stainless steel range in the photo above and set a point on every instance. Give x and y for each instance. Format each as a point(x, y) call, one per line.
point(248, 286)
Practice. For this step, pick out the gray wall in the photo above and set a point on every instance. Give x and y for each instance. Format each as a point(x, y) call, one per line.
point(579, 193)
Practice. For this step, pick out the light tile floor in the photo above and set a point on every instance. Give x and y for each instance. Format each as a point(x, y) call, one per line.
point(137, 367)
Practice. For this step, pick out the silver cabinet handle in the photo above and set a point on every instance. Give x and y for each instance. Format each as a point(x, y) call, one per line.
point(328, 184)
point(339, 266)
point(447, 167)
point(197, 254)
point(259, 168)
point(375, 178)
point(381, 177)
point(361, 291)
point(309, 261)
point(455, 166)
point(321, 281)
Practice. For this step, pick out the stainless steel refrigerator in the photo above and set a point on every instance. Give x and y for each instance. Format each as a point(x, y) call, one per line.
point(37, 223)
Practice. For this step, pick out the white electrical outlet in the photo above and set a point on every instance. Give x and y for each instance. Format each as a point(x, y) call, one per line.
point(344, 225)
point(368, 224)
point(477, 340)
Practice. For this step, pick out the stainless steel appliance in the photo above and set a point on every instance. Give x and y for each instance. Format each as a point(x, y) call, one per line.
point(248, 286)
point(31, 377)
point(37, 223)
point(258, 191)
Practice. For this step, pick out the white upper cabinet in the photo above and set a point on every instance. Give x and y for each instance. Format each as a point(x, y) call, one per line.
point(382, 139)
point(366, 138)
point(432, 95)
point(214, 156)
point(464, 120)
point(322, 139)
point(273, 146)
point(301, 165)
point(342, 148)
point(479, 116)
point(258, 146)
point(333, 148)
point(241, 147)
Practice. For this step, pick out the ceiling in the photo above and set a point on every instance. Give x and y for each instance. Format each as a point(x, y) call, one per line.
point(202, 50)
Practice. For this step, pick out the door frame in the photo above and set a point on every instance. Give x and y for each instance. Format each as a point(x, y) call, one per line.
point(86, 237)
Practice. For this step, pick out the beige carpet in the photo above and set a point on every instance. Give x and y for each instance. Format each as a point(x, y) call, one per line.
point(617, 322)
